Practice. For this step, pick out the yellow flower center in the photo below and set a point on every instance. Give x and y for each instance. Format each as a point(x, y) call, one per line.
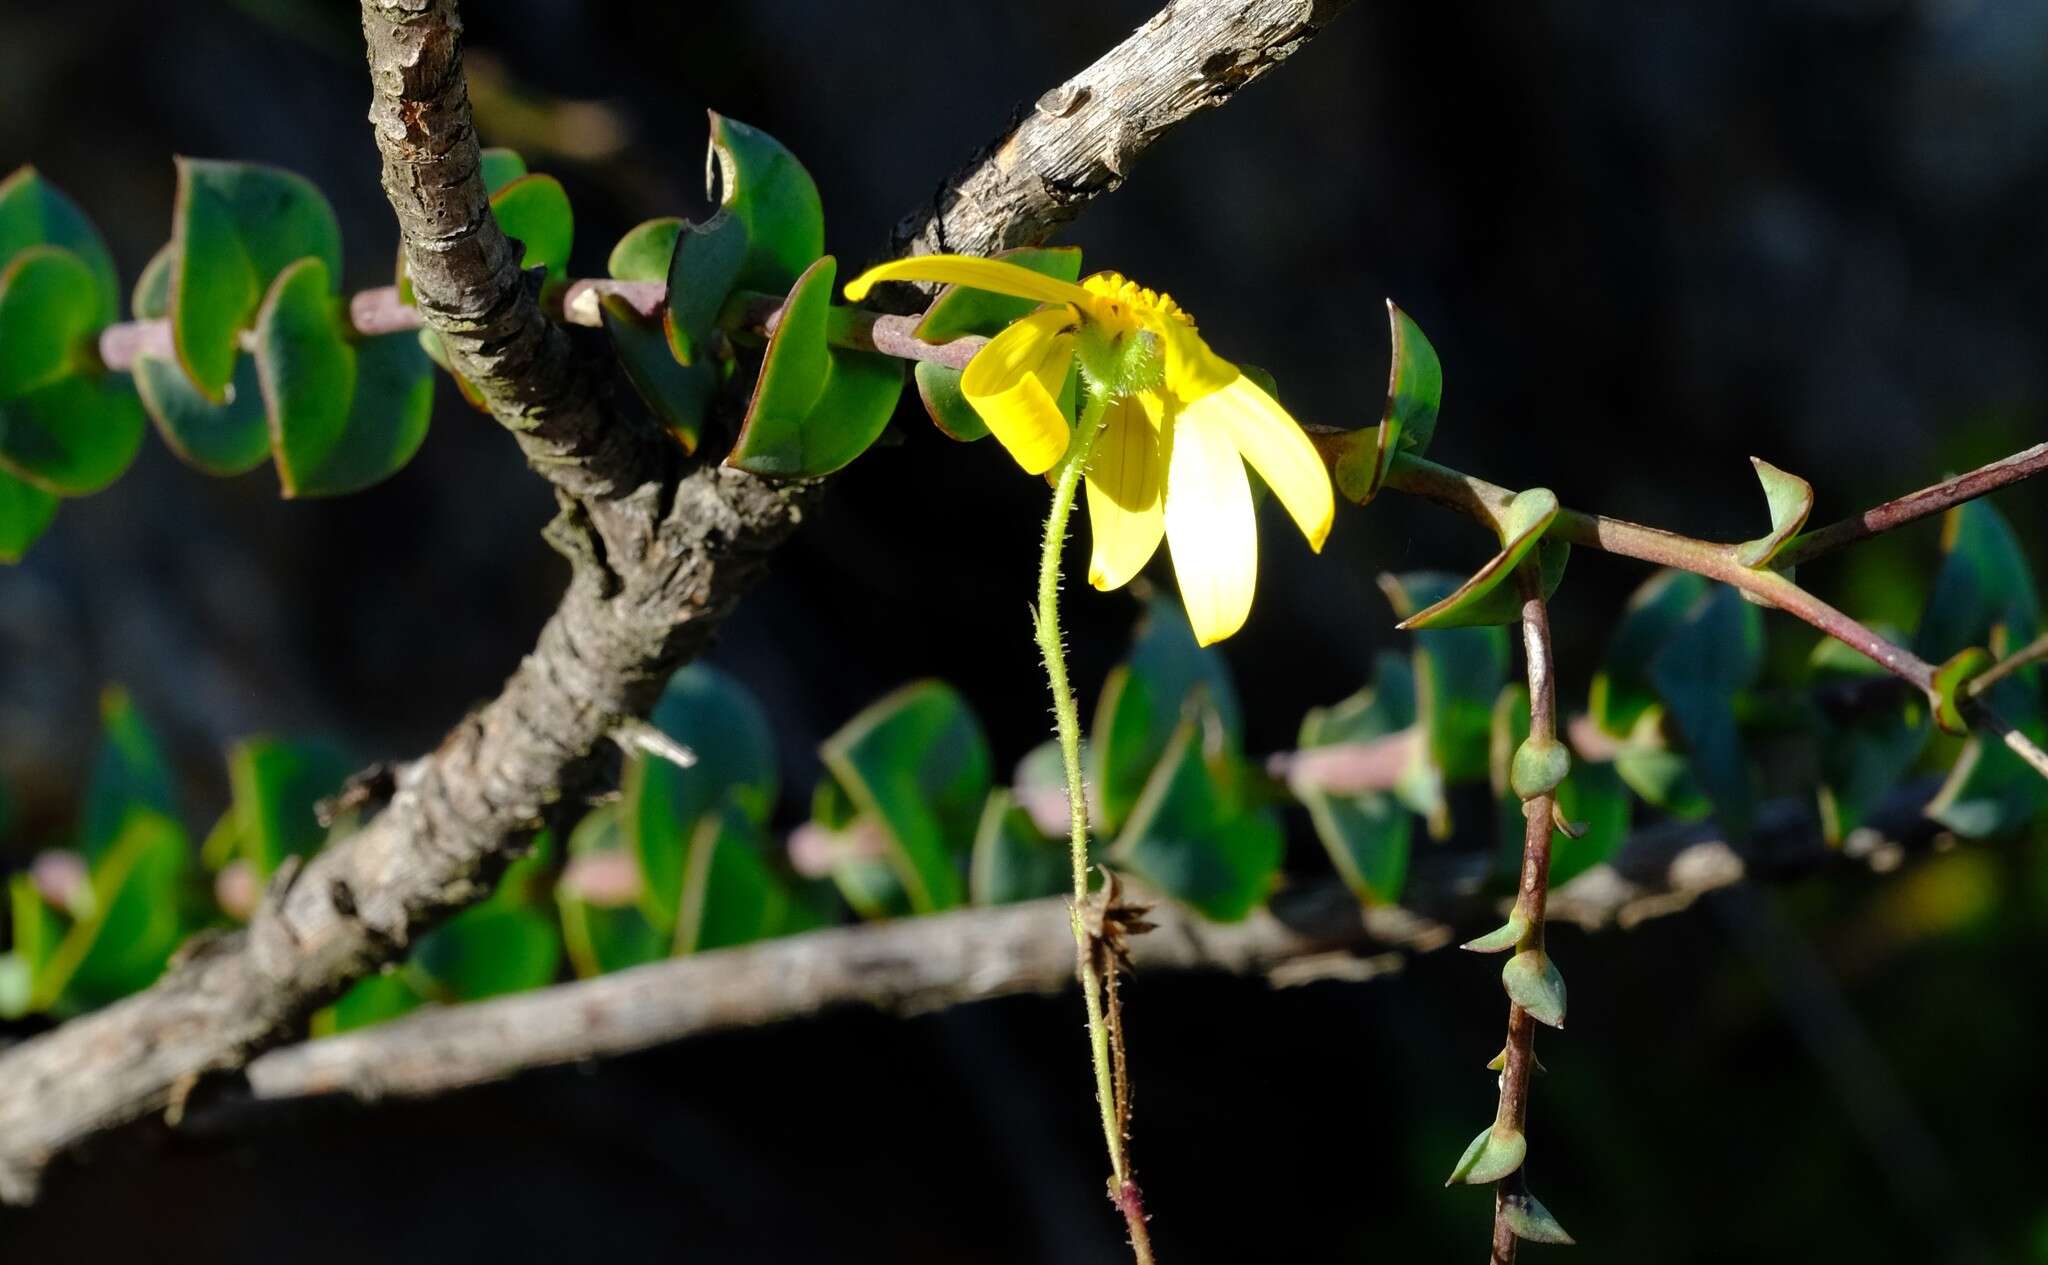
point(1120, 301)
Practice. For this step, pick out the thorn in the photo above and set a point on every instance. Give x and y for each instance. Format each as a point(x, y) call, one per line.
point(636, 736)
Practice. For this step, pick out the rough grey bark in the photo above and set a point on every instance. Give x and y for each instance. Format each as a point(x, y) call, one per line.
point(1079, 140)
point(659, 556)
point(924, 964)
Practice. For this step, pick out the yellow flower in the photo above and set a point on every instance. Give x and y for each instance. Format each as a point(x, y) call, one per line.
point(1179, 426)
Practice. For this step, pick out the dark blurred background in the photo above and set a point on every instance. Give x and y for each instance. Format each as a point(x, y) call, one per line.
point(1647, 240)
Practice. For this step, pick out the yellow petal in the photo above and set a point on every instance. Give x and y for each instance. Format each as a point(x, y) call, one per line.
point(993, 275)
point(1275, 445)
point(1015, 381)
point(1209, 527)
point(1126, 492)
point(1192, 370)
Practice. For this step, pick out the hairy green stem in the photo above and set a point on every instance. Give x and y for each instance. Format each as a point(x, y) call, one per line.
point(1067, 722)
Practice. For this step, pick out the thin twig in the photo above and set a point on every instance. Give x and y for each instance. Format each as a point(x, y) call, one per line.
point(1945, 495)
point(2031, 653)
point(1538, 810)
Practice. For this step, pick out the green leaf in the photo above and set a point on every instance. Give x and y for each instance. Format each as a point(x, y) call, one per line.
point(1415, 385)
point(1458, 674)
point(1791, 500)
point(1991, 792)
point(373, 1000)
point(1368, 835)
point(773, 198)
point(938, 389)
point(129, 775)
point(916, 764)
point(1864, 754)
point(605, 937)
point(500, 167)
point(1502, 938)
point(1714, 653)
point(1530, 1220)
point(275, 784)
point(220, 439)
point(643, 253)
point(343, 414)
point(236, 226)
point(1622, 691)
point(1013, 859)
point(1950, 679)
point(65, 426)
point(1482, 599)
point(676, 394)
point(152, 297)
point(25, 513)
point(1664, 779)
point(34, 212)
point(1192, 836)
point(1538, 768)
point(1492, 1155)
point(816, 407)
point(702, 272)
point(535, 211)
point(37, 932)
point(1595, 797)
point(1984, 593)
point(662, 806)
point(135, 924)
point(489, 950)
point(1534, 984)
point(730, 895)
point(1143, 701)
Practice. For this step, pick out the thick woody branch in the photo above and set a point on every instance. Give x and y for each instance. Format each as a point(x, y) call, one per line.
point(465, 272)
point(659, 557)
point(923, 964)
point(1079, 140)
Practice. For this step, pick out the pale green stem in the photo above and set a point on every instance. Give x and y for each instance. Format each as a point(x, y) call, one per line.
point(1067, 720)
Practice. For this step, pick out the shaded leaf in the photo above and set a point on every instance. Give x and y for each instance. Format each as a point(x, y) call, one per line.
point(236, 226)
point(276, 783)
point(65, 426)
point(1013, 859)
point(344, 413)
point(643, 253)
point(602, 937)
point(1192, 836)
point(1483, 599)
point(1530, 1220)
point(676, 394)
point(130, 774)
point(535, 211)
point(1415, 384)
point(916, 765)
point(663, 806)
point(220, 439)
point(34, 212)
point(815, 407)
point(25, 513)
point(730, 895)
point(768, 191)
